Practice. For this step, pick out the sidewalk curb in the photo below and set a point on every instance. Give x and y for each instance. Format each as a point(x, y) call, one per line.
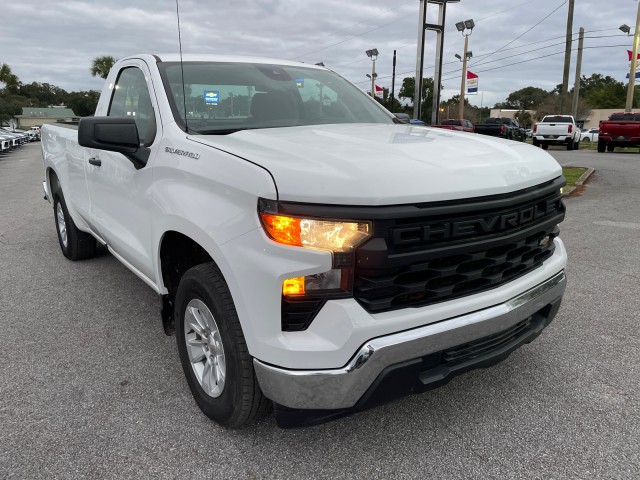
point(579, 183)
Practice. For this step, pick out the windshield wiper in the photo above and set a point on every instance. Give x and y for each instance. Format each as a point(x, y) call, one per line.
point(221, 131)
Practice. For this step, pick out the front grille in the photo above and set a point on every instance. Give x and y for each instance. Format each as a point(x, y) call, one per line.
point(418, 261)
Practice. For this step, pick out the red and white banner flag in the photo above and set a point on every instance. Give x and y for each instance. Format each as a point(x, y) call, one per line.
point(379, 92)
point(472, 82)
point(630, 53)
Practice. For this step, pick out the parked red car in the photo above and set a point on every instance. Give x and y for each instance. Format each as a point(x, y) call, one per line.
point(621, 130)
point(457, 124)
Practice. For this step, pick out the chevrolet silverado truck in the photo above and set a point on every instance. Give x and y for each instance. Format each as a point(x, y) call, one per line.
point(621, 130)
point(502, 127)
point(309, 252)
point(557, 130)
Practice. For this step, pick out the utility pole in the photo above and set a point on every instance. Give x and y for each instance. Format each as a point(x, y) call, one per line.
point(567, 50)
point(576, 87)
point(437, 74)
point(417, 96)
point(464, 76)
point(634, 64)
point(393, 80)
point(373, 79)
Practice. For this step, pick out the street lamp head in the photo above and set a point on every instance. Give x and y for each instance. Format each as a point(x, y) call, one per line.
point(372, 54)
point(458, 57)
point(469, 24)
point(469, 54)
point(460, 26)
point(625, 28)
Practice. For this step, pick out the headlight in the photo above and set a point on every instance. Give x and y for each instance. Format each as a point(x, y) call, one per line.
point(304, 296)
point(315, 233)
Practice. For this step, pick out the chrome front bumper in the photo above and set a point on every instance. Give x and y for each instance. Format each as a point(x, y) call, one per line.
point(342, 388)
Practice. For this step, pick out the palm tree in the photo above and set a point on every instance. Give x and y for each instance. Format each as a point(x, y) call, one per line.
point(101, 65)
point(6, 76)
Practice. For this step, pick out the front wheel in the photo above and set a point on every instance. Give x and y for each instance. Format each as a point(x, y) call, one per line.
point(213, 351)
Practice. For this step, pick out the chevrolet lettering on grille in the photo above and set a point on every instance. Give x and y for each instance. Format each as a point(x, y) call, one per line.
point(473, 227)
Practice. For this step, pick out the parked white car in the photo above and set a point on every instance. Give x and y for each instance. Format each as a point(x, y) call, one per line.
point(590, 135)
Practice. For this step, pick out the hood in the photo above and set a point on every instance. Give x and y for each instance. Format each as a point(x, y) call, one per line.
point(373, 164)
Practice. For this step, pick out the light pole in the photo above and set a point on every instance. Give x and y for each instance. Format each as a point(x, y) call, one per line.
point(373, 55)
point(437, 75)
point(462, 28)
point(634, 62)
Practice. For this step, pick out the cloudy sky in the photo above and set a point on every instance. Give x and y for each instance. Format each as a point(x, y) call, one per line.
point(54, 42)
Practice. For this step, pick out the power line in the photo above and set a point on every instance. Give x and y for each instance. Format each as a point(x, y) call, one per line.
point(485, 56)
point(353, 36)
point(537, 58)
point(529, 51)
point(526, 31)
point(516, 63)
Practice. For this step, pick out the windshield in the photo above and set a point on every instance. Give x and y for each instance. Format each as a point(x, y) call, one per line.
point(452, 122)
point(226, 97)
point(630, 117)
point(557, 119)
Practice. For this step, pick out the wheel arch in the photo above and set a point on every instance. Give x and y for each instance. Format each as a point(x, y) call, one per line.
point(181, 247)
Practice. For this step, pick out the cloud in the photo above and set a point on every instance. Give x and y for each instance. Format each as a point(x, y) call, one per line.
point(55, 42)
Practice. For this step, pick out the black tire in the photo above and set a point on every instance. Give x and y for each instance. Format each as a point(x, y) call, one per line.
point(241, 400)
point(601, 146)
point(576, 145)
point(570, 145)
point(544, 146)
point(535, 142)
point(79, 245)
point(610, 147)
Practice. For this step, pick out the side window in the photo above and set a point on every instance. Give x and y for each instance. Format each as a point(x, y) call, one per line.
point(131, 99)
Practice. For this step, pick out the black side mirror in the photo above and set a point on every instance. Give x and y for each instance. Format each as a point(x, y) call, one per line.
point(114, 134)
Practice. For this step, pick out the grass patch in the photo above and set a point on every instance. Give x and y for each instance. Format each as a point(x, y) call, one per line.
point(572, 174)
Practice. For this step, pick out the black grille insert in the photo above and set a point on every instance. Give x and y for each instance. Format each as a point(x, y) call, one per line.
point(443, 261)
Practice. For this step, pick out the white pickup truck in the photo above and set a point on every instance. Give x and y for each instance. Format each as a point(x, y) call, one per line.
point(310, 252)
point(557, 130)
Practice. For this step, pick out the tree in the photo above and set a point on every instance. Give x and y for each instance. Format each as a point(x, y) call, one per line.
point(100, 66)
point(603, 92)
point(527, 98)
point(408, 91)
point(9, 79)
point(524, 118)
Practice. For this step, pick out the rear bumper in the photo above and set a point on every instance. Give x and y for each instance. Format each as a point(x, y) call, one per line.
point(561, 140)
point(420, 358)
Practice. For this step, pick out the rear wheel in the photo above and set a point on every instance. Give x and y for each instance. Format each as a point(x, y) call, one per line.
point(75, 244)
point(576, 145)
point(535, 142)
point(610, 147)
point(544, 146)
point(213, 351)
point(601, 146)
point(570, 145)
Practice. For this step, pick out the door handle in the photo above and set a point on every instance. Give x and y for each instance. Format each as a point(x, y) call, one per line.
point(95, 161)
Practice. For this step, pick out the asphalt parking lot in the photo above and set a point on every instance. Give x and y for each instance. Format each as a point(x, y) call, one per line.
point(91, 387)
